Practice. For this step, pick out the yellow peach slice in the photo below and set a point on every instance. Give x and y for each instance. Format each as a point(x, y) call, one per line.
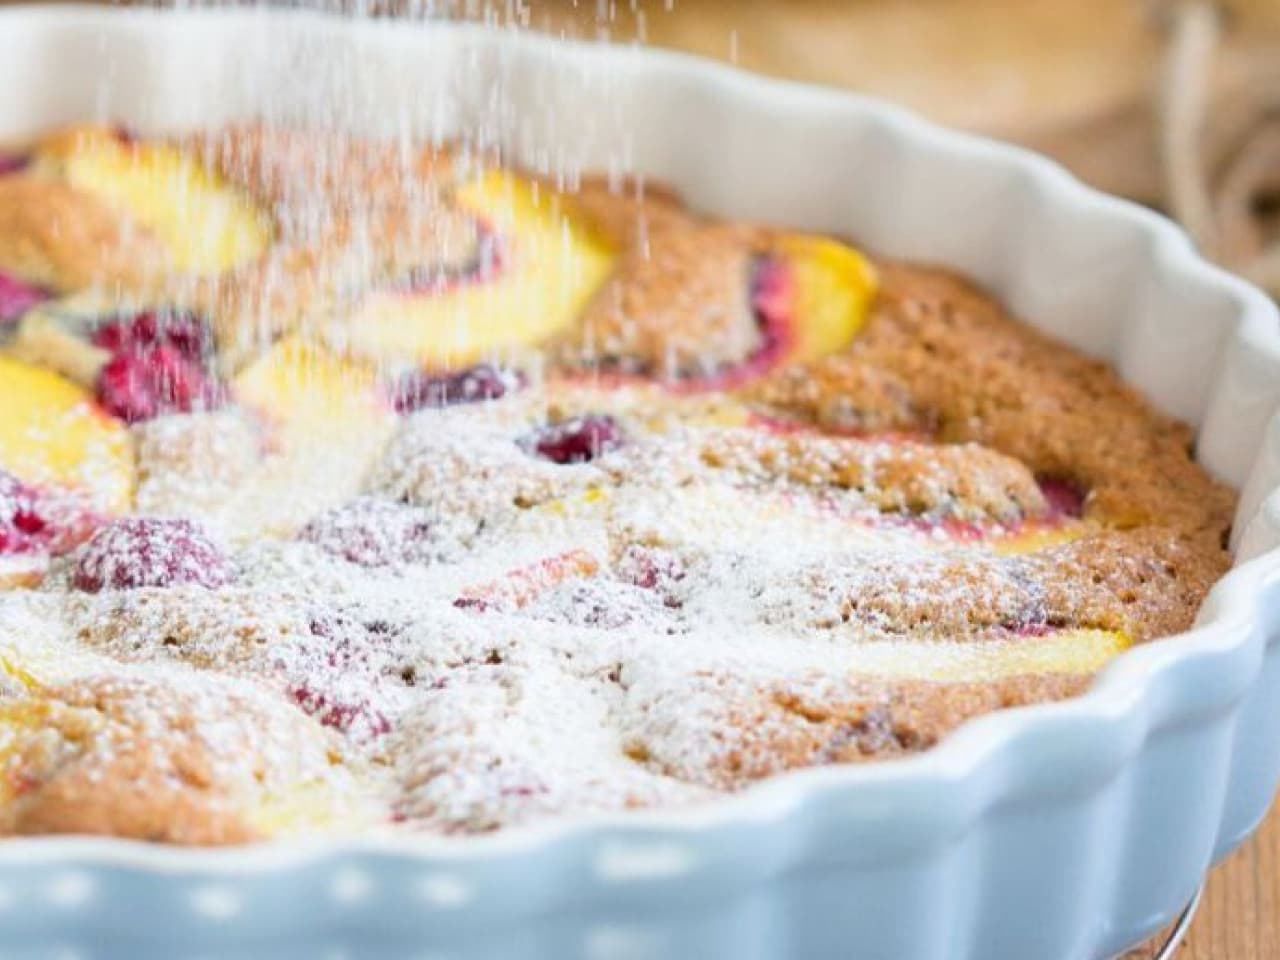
point(205, 223)
point(550, 263)
point(1034, 536)
point(1062, 652)
point(520, 587)
point(53, 434)
point(325, 420)
point(312, 807)
point(296, 385)
point(34, 661)
point(828, 289)
point(17, 674)
point(21, 718)
point(588, 502)
point(718, 516)
point(22, 570)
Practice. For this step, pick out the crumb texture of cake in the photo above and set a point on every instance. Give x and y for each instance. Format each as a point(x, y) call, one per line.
point(378, 488)
point(164, 758)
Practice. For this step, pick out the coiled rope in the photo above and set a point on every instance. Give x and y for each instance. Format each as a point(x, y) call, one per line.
point(1220, 155)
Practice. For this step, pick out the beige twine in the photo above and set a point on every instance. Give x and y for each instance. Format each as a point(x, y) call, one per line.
point(1220, 156)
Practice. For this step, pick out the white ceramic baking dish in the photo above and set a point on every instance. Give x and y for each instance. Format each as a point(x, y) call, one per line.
point(1060, 832)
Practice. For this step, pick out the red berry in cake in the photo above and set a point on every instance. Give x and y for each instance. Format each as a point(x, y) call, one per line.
point(336, 674)
point(23, 529)
point(372, 532)
point(185, 332)
point(17, 297)
point(424, 390)
point(356, 718)
point(576, 440)
point(150, 552)
point(1064, 498)
point(772, 291)
point(13, 162)
point(127, 333)
point(142, 383)
point(656, 569)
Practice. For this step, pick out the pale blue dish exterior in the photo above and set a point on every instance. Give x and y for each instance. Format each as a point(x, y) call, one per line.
point(1063, 832)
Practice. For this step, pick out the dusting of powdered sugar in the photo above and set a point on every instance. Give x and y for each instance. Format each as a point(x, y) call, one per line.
point(502, 638)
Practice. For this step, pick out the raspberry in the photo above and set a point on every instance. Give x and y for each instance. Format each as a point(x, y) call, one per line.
point(423, 390)
point(183, 331)
point(576, 440)
point(357, 717)
point(17, 297)
point(13, 162)
point(336, 676)
point(22, 527)
point(1065, 499)
point(143, 382)
point(371, 532)
point(772, 291)
point(150, 552)
point(651, 568)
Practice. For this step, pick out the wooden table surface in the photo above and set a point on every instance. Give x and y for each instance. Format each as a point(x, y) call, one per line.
point(1239, 917)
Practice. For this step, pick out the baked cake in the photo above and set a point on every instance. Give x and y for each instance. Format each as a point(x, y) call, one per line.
point(350, 488)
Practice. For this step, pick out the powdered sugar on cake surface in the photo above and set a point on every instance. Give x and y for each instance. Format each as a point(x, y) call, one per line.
point(494, 637)
point(365, 591)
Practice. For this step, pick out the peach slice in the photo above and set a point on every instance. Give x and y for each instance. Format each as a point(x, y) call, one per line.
point(312, 807)
point(53, 435)
point(324, 420)
point(813, 295)
point(520, 587)
point(1057, 520)
point(547, 263)
point(1027, 536)
point(1038, 535)
point(649, 406)
point(1073, 651)
point(297, 387)
point(206, 224)
point(21, 718)
point(719, 516)
point(33, 661)
point(1061, 524)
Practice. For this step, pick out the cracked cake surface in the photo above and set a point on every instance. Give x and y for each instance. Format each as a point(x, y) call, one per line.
point(353, 487)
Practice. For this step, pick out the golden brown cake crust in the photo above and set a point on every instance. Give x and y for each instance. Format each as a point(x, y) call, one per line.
point(768, 729)
point(679, 303)
point(57, 237)
point(185, 763)
point(665, 558)
point(351, 215)
point(963, 371)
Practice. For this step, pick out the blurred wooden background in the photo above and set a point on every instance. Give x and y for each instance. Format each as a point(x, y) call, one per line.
point(1073, 78)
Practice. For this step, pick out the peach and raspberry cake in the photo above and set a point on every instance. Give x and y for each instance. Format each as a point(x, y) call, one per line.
point(354, 487)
